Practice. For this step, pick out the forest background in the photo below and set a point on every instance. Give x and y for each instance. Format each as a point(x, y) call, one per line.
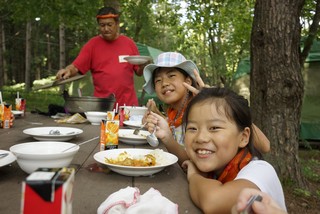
point(39, 37)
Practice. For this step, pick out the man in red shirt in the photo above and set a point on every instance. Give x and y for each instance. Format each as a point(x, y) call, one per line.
point(103, 56)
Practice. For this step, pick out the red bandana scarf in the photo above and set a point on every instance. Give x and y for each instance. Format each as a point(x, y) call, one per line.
point(235, 165)
point(172, 120)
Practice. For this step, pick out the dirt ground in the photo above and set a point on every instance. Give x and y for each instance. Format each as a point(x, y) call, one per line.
point(306, 202)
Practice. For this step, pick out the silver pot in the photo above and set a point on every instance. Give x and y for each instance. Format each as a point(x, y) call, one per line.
point(83, 104)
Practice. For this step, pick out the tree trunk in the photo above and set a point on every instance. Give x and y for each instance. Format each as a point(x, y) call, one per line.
point(312, 33)
point(28, 57)
point(49, 63)
point(276, 82)
point(1, 55)
point(4, 75)
point(62, 48)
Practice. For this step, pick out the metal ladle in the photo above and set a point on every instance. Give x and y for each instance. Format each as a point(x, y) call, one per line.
point(152, 139)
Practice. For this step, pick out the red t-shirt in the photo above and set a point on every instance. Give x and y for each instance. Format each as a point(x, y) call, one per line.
point(110, 73)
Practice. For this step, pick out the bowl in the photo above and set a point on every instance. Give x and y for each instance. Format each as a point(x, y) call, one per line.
point(135, 113)
point(163, 160)
point(83, 104)
point(47, 154)
point(95, 117)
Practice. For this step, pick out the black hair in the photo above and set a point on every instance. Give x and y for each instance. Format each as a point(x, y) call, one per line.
point(108, 10)
point(236, 108)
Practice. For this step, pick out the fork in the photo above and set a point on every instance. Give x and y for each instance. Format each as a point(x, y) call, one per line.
point(137, 130)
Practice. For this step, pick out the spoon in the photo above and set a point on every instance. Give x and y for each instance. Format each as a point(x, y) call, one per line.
point(80, 144)
point(57, 132)
point(4, 155)
point(152, 139)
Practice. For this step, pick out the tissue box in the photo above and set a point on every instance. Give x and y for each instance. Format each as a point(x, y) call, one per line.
point(49, 191)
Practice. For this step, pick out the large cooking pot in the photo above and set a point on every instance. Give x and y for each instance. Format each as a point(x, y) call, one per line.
point(83, 104)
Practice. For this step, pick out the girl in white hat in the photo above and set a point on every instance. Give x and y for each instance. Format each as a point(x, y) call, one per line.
point(175, 80)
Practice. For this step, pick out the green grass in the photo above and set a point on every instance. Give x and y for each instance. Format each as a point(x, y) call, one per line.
point(34, 100)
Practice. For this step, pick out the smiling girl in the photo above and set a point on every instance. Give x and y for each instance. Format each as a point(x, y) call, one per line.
point(223, 160)
point(176, 80)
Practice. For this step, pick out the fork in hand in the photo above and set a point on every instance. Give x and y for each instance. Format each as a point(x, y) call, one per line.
point(137, 130)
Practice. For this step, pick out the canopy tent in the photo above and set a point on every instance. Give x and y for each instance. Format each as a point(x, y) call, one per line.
point(310, 119)
point(146, 50)
point(244, 65)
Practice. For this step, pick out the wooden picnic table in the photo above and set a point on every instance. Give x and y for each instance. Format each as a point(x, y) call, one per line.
point(92, 185)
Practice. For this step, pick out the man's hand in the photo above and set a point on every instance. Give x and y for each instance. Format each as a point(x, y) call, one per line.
point(67, 72)
point(63, 74)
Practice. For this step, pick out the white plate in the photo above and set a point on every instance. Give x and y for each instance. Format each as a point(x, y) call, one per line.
point(127, 136)
point(17, 113)
point(167, 159)
point(43, 133)
point(132, 123)
point(8, 159)
point(138, 60)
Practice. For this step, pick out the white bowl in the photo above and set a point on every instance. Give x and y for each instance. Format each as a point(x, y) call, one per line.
point(95, 117)
point(47, 154)
point(135, 112)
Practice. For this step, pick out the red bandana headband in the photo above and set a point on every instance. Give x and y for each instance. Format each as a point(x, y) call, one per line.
point(107, 16)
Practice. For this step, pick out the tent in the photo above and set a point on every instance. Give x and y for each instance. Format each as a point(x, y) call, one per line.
point(146, 50)
point(310, 119)
point(244, 65)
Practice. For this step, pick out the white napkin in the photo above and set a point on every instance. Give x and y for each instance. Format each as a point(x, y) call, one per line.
point(129, 200)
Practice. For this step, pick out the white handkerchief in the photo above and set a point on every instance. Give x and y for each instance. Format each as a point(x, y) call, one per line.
point(153, 202)
point(119, 201)
point(129, 201)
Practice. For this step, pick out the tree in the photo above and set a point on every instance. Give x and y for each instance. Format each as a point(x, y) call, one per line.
point(276, 82)
point(217, 36)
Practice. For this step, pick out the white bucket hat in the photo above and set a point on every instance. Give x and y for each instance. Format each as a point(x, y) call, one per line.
point(167, 60)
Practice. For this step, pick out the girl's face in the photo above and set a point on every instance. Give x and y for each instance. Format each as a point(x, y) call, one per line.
point(168, 86)
point(211, 138)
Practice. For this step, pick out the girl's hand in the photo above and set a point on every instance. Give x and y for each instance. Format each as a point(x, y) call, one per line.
point(199, 82)
point(190, 168)
point(152, 106)
point(163, 131)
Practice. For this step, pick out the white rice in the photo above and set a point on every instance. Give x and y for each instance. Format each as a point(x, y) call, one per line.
point(160, 156)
